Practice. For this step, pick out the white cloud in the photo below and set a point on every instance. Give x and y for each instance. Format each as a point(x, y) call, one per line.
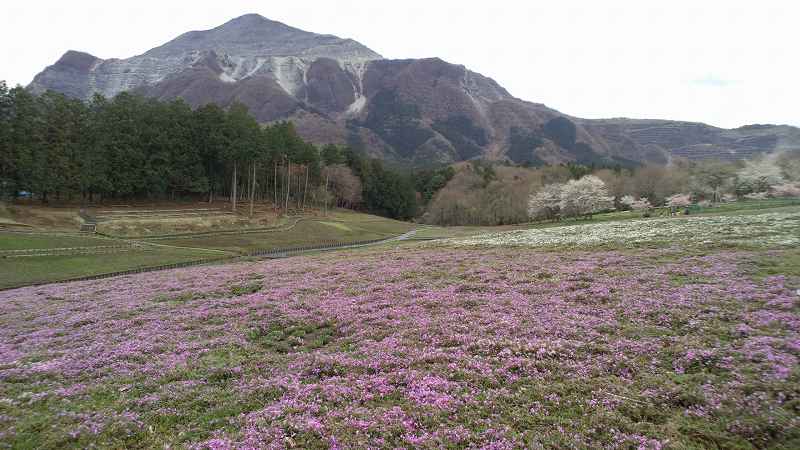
point(585, 58)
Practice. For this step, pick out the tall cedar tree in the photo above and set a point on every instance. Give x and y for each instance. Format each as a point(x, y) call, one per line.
point(132, 147)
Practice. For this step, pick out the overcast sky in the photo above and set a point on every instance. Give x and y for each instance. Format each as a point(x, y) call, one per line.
point(726, 63)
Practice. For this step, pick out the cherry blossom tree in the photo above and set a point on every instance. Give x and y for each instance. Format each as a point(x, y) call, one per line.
point(786, 190)
point(636, 204)
point(679, 200)
point(759, 175)
point(584, 197)
point(545, 204)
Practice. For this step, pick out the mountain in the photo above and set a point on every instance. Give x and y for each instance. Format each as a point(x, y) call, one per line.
point(414, 112)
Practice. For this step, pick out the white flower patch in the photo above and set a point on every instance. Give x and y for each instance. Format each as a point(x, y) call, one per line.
point(769, 230)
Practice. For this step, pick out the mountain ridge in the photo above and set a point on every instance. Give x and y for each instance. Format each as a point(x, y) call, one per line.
point(410, 111)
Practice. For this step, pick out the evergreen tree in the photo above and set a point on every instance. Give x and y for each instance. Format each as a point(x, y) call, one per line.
point(26, 127)
point(333, 154)
point(209, 141)
point(57, 171)
point(133, 147)
point(7, 163)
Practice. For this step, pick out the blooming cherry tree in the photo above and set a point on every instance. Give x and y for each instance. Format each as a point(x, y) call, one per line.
point(584, 197)
point(759, 175)
point(545, 204)
point(786, 190)
point(756, 196)
point(679, 200)
point(636, 204)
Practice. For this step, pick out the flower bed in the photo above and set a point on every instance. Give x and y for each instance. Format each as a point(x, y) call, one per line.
point(498, 348)
point(759, 230)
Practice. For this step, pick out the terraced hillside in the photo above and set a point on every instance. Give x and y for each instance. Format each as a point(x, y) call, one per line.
point(147, 237)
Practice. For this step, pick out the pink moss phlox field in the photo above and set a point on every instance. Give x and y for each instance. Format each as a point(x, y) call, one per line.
point(502, 348)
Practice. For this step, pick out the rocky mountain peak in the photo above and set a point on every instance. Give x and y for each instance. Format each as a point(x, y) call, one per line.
point(77, 60)
point(253, 35)
point(249, 46)
point(414, 112)
point(251, 18)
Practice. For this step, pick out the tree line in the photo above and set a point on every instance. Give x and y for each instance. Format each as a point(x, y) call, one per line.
point(54, 148)
point(130, 147)
point(482, 194)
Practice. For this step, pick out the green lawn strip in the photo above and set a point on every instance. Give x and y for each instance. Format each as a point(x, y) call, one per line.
point(25, 241)
point(133, 229)
point(749, 205)
point(40, 269)
point(306, 233)
point(387, 228)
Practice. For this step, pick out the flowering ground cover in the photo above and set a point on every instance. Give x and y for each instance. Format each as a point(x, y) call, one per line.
point(414, 346)
point(766, 230)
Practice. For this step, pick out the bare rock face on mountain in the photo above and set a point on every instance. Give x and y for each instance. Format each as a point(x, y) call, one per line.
point(246, 47)
point(414, 112)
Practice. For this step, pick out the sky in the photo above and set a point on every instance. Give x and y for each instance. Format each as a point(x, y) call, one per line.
point(725, 63)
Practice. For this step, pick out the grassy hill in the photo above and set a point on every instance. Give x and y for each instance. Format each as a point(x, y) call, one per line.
point(41, 251)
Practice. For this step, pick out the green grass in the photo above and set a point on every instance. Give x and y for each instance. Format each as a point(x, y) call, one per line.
point(747, 205)
point(153, 226)
point(290, 337)
point(179, 227)
point(339, 228)
point(39, 269)
point(23, 241)
point(788, 264)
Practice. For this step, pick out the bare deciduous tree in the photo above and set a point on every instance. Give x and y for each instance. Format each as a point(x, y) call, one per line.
point(344, 185)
